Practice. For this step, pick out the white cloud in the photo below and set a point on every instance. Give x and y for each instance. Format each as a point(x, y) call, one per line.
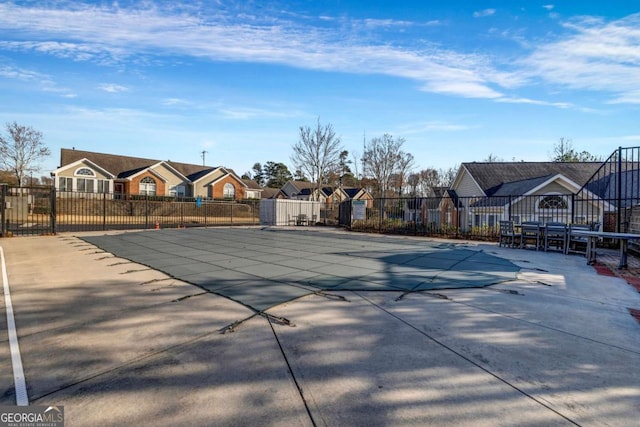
point(20, 74)
point(387, 23)
point(112, 88)
point(43, 81)
point(106, 34)
point(484, 13)
point(513, 100)
point(596, 56)
point(246, 113)
point(548, 6)
point(430, 126)
point(175, 101)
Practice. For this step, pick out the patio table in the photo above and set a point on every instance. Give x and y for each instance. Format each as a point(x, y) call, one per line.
point(593, 236)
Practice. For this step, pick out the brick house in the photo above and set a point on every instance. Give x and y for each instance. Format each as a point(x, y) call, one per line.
point(123, 176)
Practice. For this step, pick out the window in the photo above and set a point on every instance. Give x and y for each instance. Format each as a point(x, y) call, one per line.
point(229, 191)
point(85, 172)
point(147, 186)
point(103, 186)
point(65, 184)
point(84, 185)
point(552, 202)
point(177, 190)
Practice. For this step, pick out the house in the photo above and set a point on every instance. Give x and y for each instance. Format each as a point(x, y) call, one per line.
point(271, 193)
point(424, 210)
point(484, 193)
point(341, 194)
point(300, 190)
point(124, 176)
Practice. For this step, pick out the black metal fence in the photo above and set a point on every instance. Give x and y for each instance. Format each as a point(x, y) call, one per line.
point(609, 201)
point(26, 210)
point(615, 189)
point(468, 217)
point(42, 210)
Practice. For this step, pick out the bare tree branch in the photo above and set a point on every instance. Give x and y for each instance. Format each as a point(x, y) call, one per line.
point(317, 152)
point(21, 150)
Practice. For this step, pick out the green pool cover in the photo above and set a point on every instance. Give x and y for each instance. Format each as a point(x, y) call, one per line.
point(264, 267)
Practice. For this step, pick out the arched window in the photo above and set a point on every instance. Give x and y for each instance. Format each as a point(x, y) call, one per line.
point(85, 172)
point(552, 202)
point(148, 186)
point(229, 191)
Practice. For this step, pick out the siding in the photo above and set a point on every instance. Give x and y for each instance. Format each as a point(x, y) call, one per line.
point(467, 186)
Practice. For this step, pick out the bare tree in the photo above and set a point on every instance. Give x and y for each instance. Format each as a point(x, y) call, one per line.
point(448, 175)
point(379, 161)
point(317, 152)
point(21, 150)
point(563, 152)
point(413, 181)
point(492, 158)
point(404, 165)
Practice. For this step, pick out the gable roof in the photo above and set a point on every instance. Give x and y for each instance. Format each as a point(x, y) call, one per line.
point(251, 184)
point(606, 187)
point(269, 193)
point(300, 185)
point(90, 163)
point(351, 191)
point(126, 166)
point(491, 177)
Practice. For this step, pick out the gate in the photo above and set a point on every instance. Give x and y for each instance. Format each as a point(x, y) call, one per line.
point(26, 210)
point(611, 198)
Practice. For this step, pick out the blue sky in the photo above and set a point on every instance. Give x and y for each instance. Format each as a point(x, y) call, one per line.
point(459, 80)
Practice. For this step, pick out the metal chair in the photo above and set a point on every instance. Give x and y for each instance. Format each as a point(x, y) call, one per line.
point(555, 235)
point(531, 232)
point(577, 244)
point(508, 235)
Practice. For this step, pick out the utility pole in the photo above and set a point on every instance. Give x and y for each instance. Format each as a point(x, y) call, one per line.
point(202, 154)
point(364, 150)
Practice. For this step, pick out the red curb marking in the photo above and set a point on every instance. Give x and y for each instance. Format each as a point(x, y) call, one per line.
point(604, 270)
point(633, 281)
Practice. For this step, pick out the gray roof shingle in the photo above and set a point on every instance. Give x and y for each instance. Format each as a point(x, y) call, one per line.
point(492, 176)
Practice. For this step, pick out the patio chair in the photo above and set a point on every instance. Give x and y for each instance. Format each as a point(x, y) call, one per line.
point(577, 244)
point(303, 219)
point(531, 232)
point(508, 235)
point(555, 235)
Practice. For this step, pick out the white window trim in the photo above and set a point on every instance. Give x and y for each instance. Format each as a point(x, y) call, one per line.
point(77, 172)
point(566, 197)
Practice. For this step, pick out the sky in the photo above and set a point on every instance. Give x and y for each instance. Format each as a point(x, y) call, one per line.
point(457, 80)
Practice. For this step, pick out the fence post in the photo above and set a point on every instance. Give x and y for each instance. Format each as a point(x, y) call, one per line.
point(146, 211)
point(104, 211)
point(181, 212)
point(3, 198)
point(619, 191)
point(232, 203)
point(53, 211)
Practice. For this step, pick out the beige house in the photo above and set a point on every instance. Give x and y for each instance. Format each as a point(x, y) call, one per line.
point(124, 176)
point(482, 194)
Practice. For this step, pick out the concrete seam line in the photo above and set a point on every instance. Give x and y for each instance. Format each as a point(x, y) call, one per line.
point(22, 399)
